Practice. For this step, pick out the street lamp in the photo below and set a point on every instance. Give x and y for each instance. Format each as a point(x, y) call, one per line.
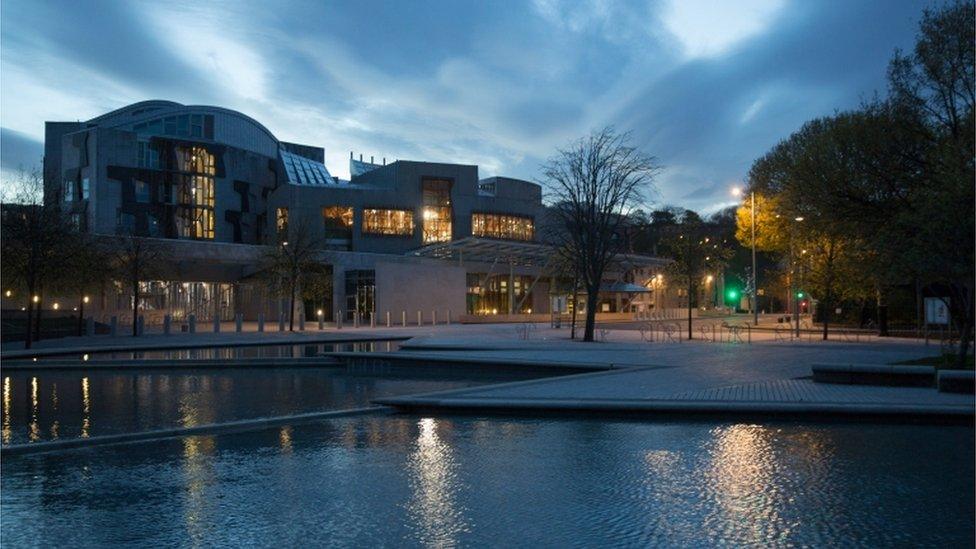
point(736, 191)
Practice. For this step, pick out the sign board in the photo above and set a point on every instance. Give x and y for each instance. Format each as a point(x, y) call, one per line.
point(936, 311)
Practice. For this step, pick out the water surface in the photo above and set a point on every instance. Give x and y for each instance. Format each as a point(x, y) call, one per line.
point(410, 481)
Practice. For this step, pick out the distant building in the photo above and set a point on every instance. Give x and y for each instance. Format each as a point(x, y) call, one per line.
point(216, 187)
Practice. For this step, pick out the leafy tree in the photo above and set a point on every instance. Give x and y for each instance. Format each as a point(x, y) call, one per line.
point(595, 183)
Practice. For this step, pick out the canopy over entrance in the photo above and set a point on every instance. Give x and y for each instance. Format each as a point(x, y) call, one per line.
point(528, 254)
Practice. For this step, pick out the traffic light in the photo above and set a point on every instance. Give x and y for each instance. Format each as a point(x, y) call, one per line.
point(732, 296)
point(800, 294)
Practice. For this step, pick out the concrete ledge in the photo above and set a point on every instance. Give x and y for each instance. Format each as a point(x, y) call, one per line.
point(268, 340)
point(957, 381)
point(141, 364)
point(655, 408)
point(209, 429)
point(395, 358)
point(874, 374)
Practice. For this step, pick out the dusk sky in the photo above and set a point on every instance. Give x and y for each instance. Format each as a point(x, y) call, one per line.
point(705, 86)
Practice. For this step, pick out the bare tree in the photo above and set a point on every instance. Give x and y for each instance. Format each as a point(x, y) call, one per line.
point(135, 259)
point(290, 262)
point(595, 183)
point(694, 250)
point(36, 240)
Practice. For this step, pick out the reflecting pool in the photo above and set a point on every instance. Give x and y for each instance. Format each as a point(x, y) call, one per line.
point(425, 482)
point(51, 405)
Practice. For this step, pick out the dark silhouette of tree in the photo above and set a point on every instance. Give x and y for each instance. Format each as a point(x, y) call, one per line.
point(134, 260)
point(595, 183)
point(291, 263)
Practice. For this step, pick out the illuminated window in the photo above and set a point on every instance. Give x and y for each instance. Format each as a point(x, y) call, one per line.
point(388, 222)
point(196, 195)
point(85, 189)
point(281, 220)
point(507, 227)
point(338, 221)
point(437, 210)
point(69, 191)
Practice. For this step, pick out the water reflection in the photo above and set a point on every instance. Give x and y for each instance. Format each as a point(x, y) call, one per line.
point(85, 408)
point(6, 432)
point(198, 474)
point(284, 438)
point(235, 352)
point(50, 405)
point(433, 507)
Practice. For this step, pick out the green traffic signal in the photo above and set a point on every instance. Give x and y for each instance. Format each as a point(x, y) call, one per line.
point(732, 294)
point(799, 295)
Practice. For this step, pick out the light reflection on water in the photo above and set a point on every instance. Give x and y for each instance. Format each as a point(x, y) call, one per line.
point(298, 350)
point(434, 479)
point(71, 404)
point(425, 482)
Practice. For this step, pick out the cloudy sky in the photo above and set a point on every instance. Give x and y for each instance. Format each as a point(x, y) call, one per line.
point(705, 86)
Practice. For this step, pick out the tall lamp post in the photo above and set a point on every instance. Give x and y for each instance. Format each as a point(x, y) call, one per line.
point(736, 191)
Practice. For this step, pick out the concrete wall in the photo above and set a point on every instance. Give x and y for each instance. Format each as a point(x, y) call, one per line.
point(422, 286)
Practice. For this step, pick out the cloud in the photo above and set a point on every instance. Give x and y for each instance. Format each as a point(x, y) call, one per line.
point(705, 86)
point(19, 151)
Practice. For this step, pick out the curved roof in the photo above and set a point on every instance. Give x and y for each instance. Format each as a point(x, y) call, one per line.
point(144, 110)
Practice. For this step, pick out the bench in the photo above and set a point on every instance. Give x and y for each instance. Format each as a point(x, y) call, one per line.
point(875, 374)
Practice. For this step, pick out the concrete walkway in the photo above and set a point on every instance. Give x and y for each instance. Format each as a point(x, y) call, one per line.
point(763, 378)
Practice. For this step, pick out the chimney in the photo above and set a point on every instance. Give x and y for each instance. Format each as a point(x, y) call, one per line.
point(350, 155)
point(360, 157)
point(371, 160)
point(384, 161)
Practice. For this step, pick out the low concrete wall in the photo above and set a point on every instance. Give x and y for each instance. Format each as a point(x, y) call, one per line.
point(957, 381)
point(874, 374)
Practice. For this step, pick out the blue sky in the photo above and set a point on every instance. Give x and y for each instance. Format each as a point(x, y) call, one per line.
point(705, 86)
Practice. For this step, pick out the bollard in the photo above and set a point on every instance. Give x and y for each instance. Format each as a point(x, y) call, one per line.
point(355, 319)
point(433, 317)
point(239, 322)
point(338, 319)
point(167, 324)
point(192, 321)
point(140, 325)
point(281, 321)
point(420, 318)
point(404, 318)
point(321, 322)
point(216, 324)
point(90, 328)
point(448, 317)
point(372, 319)
point(301, 322)
point(388, 323)
point(260, 322)
point(114, 327)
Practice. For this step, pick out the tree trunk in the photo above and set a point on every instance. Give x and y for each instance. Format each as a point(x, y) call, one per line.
point(37, 321)
point(592, 297)
point(81, 316)
point(826, 313)
point(291, 309)
point(572, 322)
point(882, 315)
point(966, 327)
point(30, 319)
point(690, 290)
point(135, 307)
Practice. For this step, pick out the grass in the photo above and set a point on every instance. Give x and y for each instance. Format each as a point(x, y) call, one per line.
point(945, 361)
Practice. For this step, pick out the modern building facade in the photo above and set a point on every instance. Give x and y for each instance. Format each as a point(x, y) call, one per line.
point(214, 188)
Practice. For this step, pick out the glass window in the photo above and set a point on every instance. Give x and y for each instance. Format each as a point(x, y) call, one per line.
point(388, 222)
point(437, 210)
point(489, 295)
point(196, 125)
point(125, 222)
point(360, 293)
point(281, 220)
point(338, 221)
point(197, 193)
point(85, 189)
point(169, 127)
point(142, 191)
point(68, 191)
point(148, 155)
point(506, 227)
